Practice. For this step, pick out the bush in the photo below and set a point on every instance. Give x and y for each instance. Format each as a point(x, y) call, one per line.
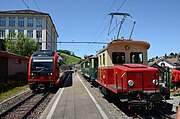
point(19, 79)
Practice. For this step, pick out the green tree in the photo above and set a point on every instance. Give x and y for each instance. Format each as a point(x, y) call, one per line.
point(20, 44)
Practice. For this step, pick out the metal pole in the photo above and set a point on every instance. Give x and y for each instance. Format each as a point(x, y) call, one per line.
point(120, 27)
point(132, 30)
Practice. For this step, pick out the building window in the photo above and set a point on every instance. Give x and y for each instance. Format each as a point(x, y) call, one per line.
point(21, 22)
point(38, 34)
point(2, 21)
point(29, 22)
point(136, 57)
point(12, 21)
point(118, 57)
point(38, 22)
point(11, 33)
point(30, 33)
point(20, 32)
point(162, 64)
point(39, 45)
point(2, 34)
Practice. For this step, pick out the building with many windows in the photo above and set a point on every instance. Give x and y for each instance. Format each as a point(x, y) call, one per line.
point(33, 24)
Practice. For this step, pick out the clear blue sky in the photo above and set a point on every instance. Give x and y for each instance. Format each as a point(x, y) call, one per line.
point(158, 22)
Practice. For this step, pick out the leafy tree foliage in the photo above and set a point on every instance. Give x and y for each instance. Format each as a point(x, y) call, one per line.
point(20, 44)
point(65, 51)
point(68, 53)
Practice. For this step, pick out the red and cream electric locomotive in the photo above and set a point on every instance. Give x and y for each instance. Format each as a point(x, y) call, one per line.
point(123, 70)
point(43, 70)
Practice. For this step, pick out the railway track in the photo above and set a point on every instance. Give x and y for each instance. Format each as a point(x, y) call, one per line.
point(163, 115)
point(22, 109)
point(152, 114)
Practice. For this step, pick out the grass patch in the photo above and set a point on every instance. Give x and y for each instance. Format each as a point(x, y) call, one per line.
point(176, 92)
point(12, 92)
point(71, 59)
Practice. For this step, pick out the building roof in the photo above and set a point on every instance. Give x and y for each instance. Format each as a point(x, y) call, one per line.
point(170, 61)
point(33, 12)
point(12, 55)
point(23, 12)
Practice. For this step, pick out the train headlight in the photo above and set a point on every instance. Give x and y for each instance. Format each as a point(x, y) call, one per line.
point(51, 74)
point(155, 82)
point(130, 83)
point(32, 74)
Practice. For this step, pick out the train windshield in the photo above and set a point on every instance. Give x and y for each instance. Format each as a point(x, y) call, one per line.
point(118, 57)
point(42, 64)
point(136, 57)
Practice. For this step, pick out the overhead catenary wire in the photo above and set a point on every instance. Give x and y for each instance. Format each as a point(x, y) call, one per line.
point(81, 42)
point(29, 8)
point(36, 5)
point(111, 19)
point(25, 4)
point(121, 5)
point(116, 23)
point(98, 36)
point(105, 16)
point(37, 21)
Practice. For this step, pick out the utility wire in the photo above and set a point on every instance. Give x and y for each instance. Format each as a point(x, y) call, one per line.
point(25, 4)
point(117, 23)
point(105, 16)
point(77, 42)
point(36, 5)
point(121, 5)
point(102, 31)
point(101, 25)
point(39, 23)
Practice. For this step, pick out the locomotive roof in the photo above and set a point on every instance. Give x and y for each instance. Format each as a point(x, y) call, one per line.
point(44, 53)
point(126, 42)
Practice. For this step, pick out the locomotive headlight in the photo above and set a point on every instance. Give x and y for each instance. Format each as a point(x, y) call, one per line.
point(130, 83)
point(155, 82)
point(50, 74)
point(32, 74)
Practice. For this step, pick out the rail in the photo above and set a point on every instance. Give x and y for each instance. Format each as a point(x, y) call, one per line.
point(25, 107)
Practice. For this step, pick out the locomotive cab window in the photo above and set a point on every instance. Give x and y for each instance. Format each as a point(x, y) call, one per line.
point(118, 57)
point(136, 57)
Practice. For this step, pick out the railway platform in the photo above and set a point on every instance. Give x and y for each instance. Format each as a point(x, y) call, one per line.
point(73, 101)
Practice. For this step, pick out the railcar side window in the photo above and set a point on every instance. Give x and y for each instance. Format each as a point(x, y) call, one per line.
point(118, 57)
point(103, 59)
point(136, 57)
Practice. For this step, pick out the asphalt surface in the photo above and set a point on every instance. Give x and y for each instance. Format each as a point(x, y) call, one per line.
point(73, 101)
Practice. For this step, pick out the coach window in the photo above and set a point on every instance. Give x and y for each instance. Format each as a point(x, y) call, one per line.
point(103, 59)
point(136, 57)
point(100, 60)
point(118, 57)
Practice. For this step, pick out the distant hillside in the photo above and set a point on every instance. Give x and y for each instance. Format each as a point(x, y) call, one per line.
point(70, 59)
